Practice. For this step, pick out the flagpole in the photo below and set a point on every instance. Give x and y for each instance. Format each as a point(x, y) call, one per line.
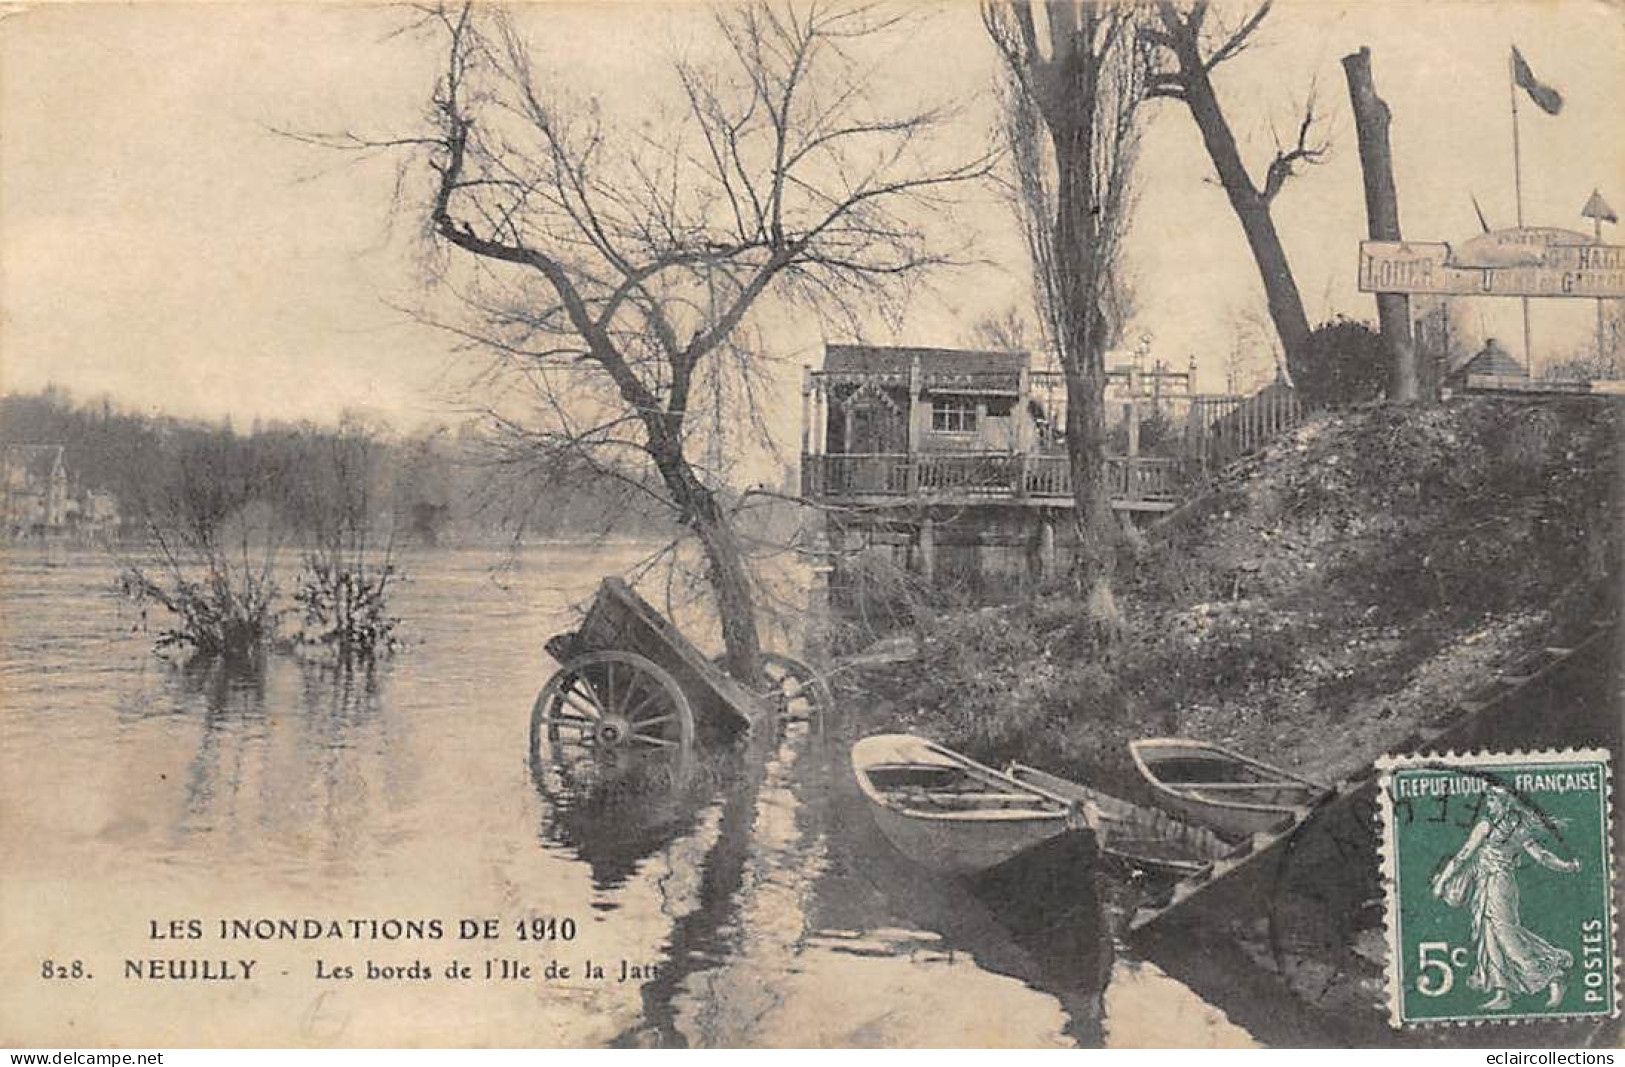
point(1517, 152)
point(1517, 185)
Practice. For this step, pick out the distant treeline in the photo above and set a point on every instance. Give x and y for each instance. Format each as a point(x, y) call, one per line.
point(440, 486)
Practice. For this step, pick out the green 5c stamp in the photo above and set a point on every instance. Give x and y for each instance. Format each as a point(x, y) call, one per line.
point(1498, 871)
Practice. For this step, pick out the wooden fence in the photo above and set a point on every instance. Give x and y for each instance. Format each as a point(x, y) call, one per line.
point(1221, 429)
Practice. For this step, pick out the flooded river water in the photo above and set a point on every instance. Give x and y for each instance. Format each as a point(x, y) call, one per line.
point(758, 908)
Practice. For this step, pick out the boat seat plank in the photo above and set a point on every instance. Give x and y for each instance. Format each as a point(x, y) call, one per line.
point(957, 800)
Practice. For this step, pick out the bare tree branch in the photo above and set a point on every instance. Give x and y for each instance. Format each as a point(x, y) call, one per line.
point(1285, 163)
point(615, 272)
point(1236, 43)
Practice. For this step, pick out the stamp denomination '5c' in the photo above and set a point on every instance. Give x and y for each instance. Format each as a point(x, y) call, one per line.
point(1498, 884)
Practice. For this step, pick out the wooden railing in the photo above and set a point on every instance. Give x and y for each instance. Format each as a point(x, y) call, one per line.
point(1219, 430)
point(981, 475)
point(1143, 478)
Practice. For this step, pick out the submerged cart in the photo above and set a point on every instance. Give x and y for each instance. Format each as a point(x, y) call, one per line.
point(629, 682)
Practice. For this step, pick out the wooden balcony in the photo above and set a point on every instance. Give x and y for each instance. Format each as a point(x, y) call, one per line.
point(1141, 483)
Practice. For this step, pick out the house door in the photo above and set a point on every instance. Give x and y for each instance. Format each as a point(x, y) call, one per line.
point(876, 427)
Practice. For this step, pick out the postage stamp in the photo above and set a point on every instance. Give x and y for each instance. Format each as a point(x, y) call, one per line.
point(1498, 873)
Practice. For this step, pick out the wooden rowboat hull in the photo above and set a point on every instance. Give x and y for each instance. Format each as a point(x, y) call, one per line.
point(999, 820)
point(1145, 838)
point(1222, 789)
point(963, 847)
point(1235, 819)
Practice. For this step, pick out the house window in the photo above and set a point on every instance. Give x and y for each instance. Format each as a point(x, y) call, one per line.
point(953, 414)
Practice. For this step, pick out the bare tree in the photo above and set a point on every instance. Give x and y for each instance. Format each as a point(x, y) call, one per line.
point(1008, 330)
point(611, 270)
point(1191, 46)
point(1078, 74)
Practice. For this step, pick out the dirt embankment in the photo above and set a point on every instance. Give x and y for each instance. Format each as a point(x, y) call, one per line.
point(1322, 599)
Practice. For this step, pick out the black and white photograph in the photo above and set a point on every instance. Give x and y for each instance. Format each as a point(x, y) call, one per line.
point(860, 524)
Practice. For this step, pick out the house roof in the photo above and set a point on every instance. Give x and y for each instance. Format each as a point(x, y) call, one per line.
point(40, 461)
point(1492, 359)
point(859, 359)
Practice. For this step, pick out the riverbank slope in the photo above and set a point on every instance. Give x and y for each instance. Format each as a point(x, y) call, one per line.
point(1320, 601)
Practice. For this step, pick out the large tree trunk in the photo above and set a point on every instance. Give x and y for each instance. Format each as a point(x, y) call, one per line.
point(730, 582)
point(1082, 346)
point(1371, 120)
point(724, 560)
point(1251, 205)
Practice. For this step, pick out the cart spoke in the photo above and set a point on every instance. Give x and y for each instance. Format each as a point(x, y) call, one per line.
point(650, 701)
point(659, 742)
point(632, 690)
point(583, 706)
point(570, 722)
point(646, 723)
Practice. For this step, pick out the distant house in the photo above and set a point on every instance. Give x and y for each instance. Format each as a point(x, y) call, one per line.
point(99, 512)
point(37, 498)
point(35, 480)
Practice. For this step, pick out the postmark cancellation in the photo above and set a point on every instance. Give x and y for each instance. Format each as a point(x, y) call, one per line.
point(1498, 875)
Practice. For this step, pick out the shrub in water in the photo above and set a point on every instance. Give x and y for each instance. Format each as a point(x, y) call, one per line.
point(217, 615)
point(345, 608)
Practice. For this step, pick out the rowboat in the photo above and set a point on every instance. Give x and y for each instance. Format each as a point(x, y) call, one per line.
point(947, 812)
point(1223, 789)
point(1143, 838)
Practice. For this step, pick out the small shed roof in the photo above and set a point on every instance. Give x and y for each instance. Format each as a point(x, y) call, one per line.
point(1492, 359)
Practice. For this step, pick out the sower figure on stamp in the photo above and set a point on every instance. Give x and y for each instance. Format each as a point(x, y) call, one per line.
point(1510, 957)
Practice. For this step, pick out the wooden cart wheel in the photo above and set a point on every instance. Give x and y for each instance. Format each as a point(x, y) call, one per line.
point(605, 704)
point(801, 692)
point(796, 692)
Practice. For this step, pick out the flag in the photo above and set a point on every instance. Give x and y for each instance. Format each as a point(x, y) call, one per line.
point(1480, 213)
point(1545, 97)
point(1597, 208)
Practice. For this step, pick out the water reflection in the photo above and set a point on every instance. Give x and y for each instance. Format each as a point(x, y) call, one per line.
point(294, 756)
point(232, 702)
point(612, 814)
point(796, 913)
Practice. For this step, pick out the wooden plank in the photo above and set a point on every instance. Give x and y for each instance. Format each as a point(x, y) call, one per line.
point(639, 627)
point(1498, 383)
point(1557, 270)
point(1607, 386)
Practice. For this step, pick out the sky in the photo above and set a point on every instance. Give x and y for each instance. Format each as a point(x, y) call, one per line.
point(162, 245)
